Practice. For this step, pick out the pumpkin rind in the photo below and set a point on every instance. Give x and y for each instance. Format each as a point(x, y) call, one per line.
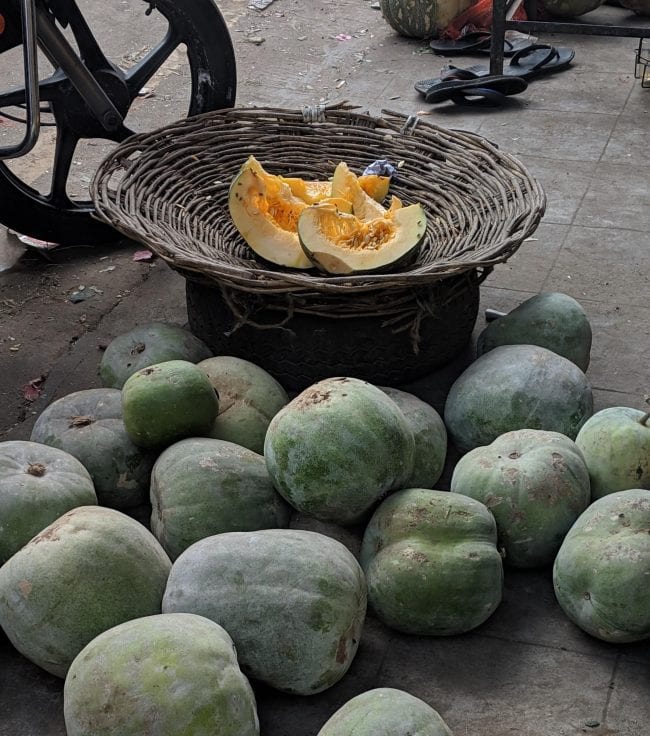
point(88, 571)
point(163, 674)
point(249, 398)
point(516, 387)
point(337, 448)
point(615, 443)
point(551, 320)
point(167, 402)
point(37, 485)
point(294, 602)
point(535, 483)
point(147, 345)
point(385, 711)
point(88, 424)
point(431, 562)
point(601, 572)
point(202, 486)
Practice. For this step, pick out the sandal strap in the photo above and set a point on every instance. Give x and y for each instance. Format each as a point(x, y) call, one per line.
point(521, 55)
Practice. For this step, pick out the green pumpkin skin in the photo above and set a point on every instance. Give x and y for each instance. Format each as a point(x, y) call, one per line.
point(337, 448)
point(421, 18)
point(551, 320)
point(535, 483)
point(429, 434)
point(249, 398)
point(385, 711)
point(167, 402)
point(601, 571)
point(91, 569)
point(516, 387)
point(202, 486)
point(615, 443)
point(38, 484)
point(88, 424)
point(147, 345)
point(174, 674)
point(294, 602)
point(431, 563)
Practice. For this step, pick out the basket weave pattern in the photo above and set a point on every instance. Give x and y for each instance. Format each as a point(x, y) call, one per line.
point(169, 190)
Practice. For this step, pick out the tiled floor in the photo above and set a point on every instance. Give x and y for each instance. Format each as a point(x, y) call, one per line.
point(583, 133)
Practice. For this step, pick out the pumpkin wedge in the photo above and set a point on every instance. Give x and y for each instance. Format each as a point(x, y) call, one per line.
point(341, 243)
point(266, 213)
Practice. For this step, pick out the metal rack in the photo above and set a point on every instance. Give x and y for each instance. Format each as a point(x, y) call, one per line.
point(500, 24)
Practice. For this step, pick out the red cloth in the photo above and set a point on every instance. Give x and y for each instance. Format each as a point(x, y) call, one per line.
point(477, 17)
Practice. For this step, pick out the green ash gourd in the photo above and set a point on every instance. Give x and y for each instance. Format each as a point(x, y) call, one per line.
point(615, 443)
point(37, 485)
point(91, 569)
point(385, 711)
point(167, 402)
point(163, 675)
point(431, 563)
point(535, 483)
point(601, 572)
point(337, 448)
point(294, 602)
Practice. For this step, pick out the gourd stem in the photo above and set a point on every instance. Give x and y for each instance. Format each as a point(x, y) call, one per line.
point(644, 419)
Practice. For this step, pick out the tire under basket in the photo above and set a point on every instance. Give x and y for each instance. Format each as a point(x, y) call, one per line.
point(309, 347)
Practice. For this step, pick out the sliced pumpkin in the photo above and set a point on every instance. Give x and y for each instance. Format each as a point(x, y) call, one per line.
point(375, 186)
point(309, 191)
point(265, 211)
point(346, 185)
point(341, 243)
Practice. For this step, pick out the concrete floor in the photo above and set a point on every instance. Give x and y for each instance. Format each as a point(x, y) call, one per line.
point(583, 133)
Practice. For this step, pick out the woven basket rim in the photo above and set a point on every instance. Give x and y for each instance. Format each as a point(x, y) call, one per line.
point(128, 177)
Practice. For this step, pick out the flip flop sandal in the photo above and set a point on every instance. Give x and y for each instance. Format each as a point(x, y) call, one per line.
point(478, 97)
point(539, 59)
point(504, 84)
point(451, 73)
point(480, 41)
point(468, 42)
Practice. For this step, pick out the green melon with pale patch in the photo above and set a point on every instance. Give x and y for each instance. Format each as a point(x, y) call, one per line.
point(431, 563)
point(202, 486)
point(249, 398)
point(601, 572)
point(91, 569)
point(145, 345)
point(385, 711)
point(88, 424)
point(163, 674)
point(517, 387)
point(293, 601)
point(37, 485)
point(337, 448)
point(535, 483)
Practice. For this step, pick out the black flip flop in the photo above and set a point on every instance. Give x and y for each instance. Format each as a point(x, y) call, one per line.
point(503, 84)
point(477, 41)
point(539, 59)
point(534, 61)
point(470, 82)
point(451, 74)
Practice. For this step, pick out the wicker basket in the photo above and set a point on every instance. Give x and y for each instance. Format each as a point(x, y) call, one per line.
point(169, 190)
